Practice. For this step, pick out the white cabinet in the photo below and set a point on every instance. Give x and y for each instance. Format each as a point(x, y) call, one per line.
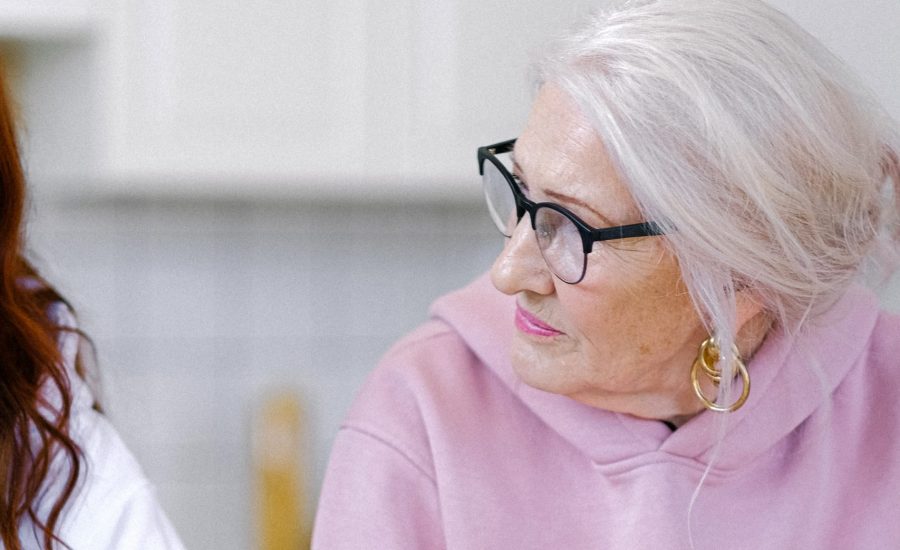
point(386, 98)
point(44, 19)
point(47, 48)
point(373, 98)
point(329, 97)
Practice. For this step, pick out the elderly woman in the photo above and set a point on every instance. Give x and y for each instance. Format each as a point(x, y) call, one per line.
point(680, 354)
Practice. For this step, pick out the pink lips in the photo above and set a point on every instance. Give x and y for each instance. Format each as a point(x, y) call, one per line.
point(529, 324)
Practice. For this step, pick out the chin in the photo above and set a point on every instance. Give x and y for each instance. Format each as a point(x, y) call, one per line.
point(542, 371)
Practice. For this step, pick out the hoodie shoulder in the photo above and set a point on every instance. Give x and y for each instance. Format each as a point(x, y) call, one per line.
point(452, 363)
point(397, 401)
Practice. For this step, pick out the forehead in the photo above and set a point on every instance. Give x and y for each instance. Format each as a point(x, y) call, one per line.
point(560, 151)
point(555, 122)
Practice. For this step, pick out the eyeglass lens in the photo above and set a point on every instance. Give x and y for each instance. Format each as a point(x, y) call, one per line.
point(557, 236)
point(560, 244)
point(500, 199)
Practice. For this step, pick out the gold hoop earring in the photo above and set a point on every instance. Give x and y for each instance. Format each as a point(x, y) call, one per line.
point(706, 360)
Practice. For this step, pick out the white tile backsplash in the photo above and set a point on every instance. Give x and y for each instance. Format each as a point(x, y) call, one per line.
point(201, 309)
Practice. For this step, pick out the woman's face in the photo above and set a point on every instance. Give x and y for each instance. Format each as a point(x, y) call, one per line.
point(625, 337)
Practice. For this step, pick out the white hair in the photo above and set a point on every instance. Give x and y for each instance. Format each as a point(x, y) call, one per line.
point(754, 148)
point(764, 160)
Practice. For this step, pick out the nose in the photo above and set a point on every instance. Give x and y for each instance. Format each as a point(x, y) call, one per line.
point(520, 266)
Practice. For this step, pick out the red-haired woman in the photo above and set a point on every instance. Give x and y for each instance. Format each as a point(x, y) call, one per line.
point(67, 479)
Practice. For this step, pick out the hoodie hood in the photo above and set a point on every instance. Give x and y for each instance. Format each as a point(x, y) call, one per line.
point(792, 377)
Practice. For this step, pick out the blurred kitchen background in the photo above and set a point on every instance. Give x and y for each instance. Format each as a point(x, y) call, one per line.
point(249, 201)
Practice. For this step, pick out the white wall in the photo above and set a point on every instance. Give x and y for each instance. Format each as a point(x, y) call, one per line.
point(201, 309)
point(863, 34)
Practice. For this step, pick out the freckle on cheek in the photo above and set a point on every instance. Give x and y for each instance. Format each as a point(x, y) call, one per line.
point(644, 349)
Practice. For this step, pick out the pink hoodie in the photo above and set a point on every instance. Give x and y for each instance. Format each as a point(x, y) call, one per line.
point(444, 448)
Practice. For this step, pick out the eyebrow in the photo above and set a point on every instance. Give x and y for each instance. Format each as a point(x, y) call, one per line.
point(562, 197)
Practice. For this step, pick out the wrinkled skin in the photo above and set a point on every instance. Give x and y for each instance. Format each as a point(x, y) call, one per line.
point(629, 331)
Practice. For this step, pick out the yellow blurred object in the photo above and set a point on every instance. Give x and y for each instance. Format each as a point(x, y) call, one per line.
point(282, 519)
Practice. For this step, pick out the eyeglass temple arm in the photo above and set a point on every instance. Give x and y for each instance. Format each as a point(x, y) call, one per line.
point(497, 148)
point(644, 229)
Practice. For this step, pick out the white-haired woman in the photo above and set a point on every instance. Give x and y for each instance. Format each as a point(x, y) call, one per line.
point(680, 354)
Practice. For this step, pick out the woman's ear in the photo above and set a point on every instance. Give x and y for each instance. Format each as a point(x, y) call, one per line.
point(749, 304)
point(753, 320)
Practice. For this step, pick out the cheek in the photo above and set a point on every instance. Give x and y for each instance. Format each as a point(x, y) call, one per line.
point(597, 318)
point(613, 294)
point(636, 308)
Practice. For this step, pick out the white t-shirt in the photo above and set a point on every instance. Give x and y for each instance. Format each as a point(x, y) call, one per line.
point(114, 505)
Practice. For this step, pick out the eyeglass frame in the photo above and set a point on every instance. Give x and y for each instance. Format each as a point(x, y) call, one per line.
point(589, 234)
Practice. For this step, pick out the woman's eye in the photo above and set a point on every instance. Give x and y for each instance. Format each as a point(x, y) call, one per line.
point(546, 231)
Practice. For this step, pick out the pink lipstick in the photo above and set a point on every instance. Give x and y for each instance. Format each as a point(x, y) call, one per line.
point(529, 324)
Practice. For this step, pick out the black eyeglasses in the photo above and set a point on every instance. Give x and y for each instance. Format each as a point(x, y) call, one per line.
point(563, 238)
